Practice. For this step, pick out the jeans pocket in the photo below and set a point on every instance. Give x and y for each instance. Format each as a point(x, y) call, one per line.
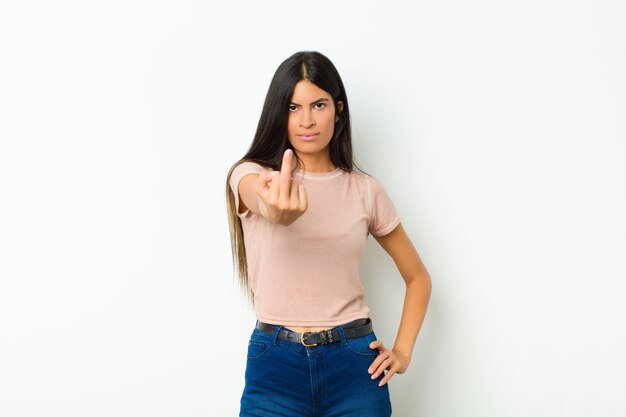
point(359, 346)
point(257, 348)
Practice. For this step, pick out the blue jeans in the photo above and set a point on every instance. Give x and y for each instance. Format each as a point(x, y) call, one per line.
point(289, 379)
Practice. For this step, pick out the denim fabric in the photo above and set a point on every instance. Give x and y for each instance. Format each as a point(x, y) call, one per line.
point(289, 379)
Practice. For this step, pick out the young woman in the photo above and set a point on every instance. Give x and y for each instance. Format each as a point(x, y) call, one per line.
point(300, 215)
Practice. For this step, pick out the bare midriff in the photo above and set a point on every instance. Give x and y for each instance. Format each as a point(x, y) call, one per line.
point(307, 329)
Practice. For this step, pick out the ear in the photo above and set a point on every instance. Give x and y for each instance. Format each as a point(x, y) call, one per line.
point(340, 109)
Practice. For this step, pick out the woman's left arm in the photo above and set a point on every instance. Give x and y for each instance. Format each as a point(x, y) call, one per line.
point(418, 288)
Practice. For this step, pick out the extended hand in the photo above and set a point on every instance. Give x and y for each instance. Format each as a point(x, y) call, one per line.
point(390, 360)
point(281, 199)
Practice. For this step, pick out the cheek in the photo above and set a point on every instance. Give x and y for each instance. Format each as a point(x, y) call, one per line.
point(329, 124)
point(292, 126)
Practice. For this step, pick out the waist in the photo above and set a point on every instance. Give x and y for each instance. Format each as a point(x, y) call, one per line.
point(355, 328)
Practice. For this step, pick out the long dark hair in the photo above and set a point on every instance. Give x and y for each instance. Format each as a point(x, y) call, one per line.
point(271, 137)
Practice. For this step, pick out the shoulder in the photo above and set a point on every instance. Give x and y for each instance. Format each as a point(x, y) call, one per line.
point(242, 168)
point(368, 180)
point(247, 166)
point(372, 187)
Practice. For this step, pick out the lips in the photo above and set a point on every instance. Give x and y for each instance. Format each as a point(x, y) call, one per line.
point(308, 137)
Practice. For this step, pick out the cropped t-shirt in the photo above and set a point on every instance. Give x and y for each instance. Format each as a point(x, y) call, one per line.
point(307, 273)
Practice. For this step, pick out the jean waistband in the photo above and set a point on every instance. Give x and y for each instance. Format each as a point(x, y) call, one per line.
point(355, 328)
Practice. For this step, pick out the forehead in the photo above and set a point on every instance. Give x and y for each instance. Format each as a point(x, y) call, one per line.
point(305, 91)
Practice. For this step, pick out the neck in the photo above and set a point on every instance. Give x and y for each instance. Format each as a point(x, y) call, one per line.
point(317, 163)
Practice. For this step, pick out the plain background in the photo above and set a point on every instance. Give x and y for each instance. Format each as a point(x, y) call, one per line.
point(497, 127)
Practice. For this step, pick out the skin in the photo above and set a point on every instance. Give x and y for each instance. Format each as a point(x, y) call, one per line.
point(312, 111)
point(273, 195)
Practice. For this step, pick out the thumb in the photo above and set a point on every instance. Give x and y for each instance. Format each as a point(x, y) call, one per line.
point(265, 177)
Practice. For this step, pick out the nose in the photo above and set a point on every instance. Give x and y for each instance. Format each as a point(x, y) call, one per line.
point(306, 119)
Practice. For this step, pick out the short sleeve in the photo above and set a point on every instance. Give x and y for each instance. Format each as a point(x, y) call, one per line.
point(383, 214)
point(238, 173)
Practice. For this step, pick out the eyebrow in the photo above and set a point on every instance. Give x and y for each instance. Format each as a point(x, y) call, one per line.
point(315, 102)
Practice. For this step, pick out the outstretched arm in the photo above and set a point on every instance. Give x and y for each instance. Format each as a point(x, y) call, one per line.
point(418, 288)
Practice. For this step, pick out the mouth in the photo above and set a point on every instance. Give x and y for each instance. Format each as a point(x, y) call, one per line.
point(308, 137)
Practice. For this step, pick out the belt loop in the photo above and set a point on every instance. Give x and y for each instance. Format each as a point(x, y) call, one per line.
point(276, 331)
point(342, 335)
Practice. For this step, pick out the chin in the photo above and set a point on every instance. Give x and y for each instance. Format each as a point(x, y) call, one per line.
point(310, 147)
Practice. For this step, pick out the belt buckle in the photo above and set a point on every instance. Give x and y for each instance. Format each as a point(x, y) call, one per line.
point(302, 339)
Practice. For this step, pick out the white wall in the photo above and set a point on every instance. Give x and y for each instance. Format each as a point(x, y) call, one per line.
point(497, 127)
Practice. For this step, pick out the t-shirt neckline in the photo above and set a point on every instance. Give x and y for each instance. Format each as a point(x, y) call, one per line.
point(320, 175)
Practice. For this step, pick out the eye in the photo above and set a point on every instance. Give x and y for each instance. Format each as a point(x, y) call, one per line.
point(293, 107)
point(321, 105)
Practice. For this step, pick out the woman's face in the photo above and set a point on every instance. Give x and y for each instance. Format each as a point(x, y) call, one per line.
point(311, 120)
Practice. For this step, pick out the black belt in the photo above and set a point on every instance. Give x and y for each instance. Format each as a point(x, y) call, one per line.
point(356, 328)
